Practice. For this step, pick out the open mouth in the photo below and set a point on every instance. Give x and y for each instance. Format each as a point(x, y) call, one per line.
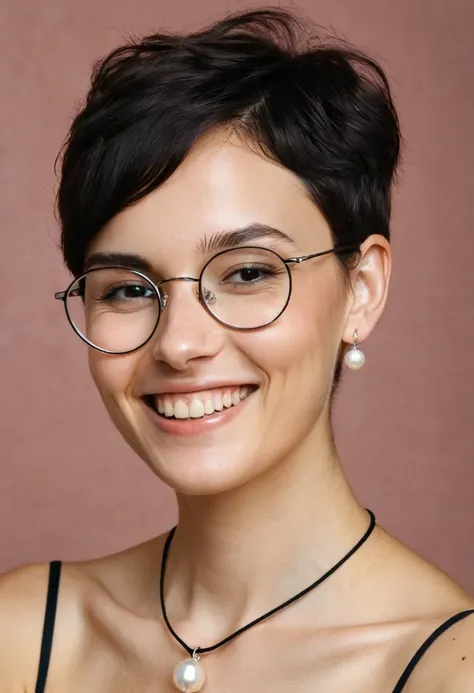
point(198, 405)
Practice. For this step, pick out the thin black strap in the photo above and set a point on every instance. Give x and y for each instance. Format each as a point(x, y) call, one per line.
point(48, 628)
point(428, 642)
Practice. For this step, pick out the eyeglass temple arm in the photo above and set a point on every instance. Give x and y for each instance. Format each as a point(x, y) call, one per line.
point(61, 295)
point(302, 258)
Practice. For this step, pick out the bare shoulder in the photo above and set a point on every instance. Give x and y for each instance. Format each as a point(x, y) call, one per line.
point(415, 601)
point(22, 605)
point(456, 657)
point(86, 588)
point(23, 594)
point(448, 664)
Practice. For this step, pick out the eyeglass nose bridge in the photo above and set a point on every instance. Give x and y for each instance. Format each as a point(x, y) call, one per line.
point(163, 296)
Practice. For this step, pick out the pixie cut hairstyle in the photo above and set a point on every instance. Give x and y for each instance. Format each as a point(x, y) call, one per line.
point(316, 105)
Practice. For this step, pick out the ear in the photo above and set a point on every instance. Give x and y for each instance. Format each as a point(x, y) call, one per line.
point(369, 280)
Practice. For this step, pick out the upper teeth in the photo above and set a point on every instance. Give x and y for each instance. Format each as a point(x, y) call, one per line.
point(197, 404)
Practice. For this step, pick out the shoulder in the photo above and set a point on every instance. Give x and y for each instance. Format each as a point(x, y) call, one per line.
point(87, 589)
point(23, 594)
point(446, 664)
point(22, 605)
point(457, 656)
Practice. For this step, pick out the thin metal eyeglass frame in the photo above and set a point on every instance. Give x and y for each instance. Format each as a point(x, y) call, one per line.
point(163, 297)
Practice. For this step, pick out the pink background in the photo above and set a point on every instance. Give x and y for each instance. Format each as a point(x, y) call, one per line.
point(69, 486)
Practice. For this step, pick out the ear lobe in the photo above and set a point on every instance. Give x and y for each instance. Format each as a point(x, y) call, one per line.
point(370, 281)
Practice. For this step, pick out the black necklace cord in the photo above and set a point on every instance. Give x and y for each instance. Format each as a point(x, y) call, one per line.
point(193, 651)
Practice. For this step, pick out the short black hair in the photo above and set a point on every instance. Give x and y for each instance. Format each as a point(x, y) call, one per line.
point(316, 105)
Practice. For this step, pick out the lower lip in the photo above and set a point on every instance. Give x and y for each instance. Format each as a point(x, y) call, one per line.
point(195, 427)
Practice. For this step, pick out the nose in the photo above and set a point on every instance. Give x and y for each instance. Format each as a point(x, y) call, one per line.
point(185, 332)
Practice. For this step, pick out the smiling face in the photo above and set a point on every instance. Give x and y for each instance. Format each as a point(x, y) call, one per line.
point(254, 397)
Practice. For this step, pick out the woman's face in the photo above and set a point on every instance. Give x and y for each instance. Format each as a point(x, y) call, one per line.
point(278, 377)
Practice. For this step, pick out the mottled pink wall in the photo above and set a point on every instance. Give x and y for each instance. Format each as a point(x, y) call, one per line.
point(69, 487)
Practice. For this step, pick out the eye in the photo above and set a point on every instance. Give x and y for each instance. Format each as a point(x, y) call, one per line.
point(249, 274)
point(127, 292)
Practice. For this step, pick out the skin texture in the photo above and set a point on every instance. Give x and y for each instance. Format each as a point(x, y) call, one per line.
point(264, 505)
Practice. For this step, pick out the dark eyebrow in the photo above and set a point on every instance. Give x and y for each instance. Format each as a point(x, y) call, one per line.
point(127, 260)
point(223, 240)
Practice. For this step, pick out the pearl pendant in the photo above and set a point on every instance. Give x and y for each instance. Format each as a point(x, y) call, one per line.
point(189, 675)
point(354, 358)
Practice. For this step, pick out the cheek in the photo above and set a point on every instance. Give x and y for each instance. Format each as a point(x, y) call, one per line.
point(112, 375)
point(298, 352)
point(308, 332)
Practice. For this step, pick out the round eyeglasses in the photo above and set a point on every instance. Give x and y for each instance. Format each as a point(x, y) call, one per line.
point(116, 310)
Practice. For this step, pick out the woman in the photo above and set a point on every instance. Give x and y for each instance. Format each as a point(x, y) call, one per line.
point(225, 206)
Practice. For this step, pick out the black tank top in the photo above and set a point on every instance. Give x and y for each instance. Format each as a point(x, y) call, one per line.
point(50, 616)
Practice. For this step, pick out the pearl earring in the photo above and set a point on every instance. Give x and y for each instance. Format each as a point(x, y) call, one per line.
point(354, 358)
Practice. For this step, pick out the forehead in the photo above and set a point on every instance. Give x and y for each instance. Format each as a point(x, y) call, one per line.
point(223, 184)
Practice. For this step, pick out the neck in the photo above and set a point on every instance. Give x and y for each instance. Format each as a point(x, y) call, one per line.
point(236, 555)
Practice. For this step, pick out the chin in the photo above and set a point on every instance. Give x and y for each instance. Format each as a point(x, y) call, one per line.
point(201, 471)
